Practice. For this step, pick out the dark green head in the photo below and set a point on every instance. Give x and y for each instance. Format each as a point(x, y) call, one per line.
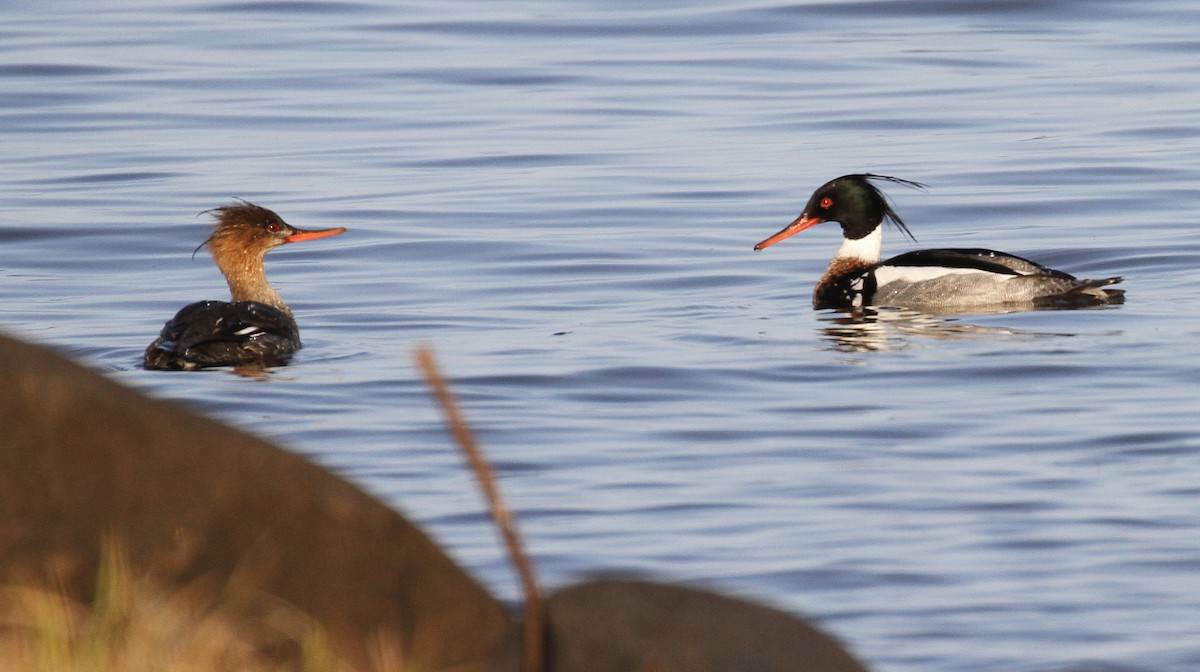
point(850, 200)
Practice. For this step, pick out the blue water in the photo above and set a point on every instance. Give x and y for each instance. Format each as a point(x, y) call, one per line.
point(561, 199)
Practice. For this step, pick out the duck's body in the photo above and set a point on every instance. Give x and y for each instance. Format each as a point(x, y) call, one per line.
point(936, 281)
point(256, 327)
point(220, 333)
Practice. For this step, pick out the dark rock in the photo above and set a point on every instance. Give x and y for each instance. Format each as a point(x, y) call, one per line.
point(195, 503)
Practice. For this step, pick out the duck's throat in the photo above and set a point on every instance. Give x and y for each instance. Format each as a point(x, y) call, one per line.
point(248, 282)
point(865, 250)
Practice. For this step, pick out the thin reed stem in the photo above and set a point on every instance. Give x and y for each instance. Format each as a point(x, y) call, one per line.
point(532, 630)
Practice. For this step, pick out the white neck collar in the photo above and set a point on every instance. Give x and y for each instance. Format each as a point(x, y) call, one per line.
point(866, 249)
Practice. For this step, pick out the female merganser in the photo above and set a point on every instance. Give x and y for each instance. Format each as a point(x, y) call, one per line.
point(257, 327)
point(934, 281)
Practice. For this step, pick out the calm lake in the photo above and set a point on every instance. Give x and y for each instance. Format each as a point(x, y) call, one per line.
point(561, 199)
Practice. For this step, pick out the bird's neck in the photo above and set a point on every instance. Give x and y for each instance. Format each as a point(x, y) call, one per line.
point(866, 250)
point(855, 256)
point(247, 280)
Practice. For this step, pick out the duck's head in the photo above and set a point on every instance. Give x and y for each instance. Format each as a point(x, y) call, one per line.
point(245, 229)
point(850, 200)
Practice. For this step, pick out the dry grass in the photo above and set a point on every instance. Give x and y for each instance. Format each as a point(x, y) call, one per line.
point(135, 626)
point(135, 623)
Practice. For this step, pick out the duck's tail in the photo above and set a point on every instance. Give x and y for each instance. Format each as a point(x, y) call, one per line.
point(1087, 293)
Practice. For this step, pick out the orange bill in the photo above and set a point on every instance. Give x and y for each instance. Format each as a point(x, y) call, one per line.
point(300, 236)
point(802, 222)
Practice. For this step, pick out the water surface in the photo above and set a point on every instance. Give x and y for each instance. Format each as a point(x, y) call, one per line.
point(561, 199)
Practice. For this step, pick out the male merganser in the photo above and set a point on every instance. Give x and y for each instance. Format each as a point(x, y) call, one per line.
point(257, 327)
point(938, 281)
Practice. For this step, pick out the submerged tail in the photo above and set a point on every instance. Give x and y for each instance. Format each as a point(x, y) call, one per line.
point(1087, 293)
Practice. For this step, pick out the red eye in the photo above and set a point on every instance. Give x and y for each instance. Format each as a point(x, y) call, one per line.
point(273, 227)
point(826, 202)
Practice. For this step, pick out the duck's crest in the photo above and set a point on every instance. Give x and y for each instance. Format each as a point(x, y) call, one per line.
point(889, 213)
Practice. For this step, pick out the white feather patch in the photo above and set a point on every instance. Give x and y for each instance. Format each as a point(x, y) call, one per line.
point(910, 274)
point(866, 249)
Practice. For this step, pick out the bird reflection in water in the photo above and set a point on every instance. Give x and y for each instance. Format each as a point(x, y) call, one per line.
point(887, 329)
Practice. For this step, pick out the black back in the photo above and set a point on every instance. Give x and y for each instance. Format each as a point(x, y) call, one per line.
point(976, 258)
point(220, 333)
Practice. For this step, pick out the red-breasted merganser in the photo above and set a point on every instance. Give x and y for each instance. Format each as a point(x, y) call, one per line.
point(935, 281)
point(256, 327)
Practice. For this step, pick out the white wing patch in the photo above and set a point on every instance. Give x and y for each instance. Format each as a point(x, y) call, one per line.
point(911, 274)
point(247, 331)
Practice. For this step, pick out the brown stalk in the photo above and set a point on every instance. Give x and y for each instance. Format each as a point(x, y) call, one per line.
point(532, 632)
